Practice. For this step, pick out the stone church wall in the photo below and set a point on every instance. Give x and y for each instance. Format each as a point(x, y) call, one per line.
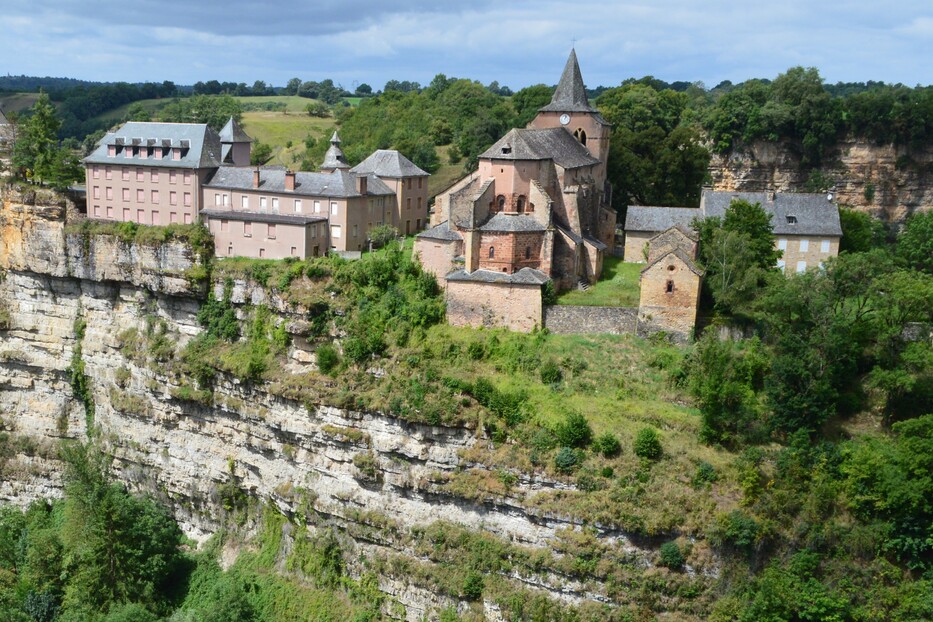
point(505, 305)
point(571, 320)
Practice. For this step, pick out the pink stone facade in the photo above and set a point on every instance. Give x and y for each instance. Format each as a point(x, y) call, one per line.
point(146, 195)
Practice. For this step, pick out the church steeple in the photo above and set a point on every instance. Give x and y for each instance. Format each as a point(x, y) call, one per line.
point(334, 158)
point(570, 95)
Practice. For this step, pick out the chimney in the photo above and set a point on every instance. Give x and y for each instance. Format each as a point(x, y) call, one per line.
point(361, 184)
point(290, 180)
point(256, 177)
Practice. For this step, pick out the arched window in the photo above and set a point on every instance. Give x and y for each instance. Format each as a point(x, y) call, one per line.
point(527, 252)
point(580, 135)
point(492, 252)
point(521, 204)
point(500, 202)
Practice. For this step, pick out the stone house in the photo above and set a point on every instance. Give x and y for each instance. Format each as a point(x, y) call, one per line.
point(536, 210)
point(409, 182)
point(670, 284)
point(806, 226)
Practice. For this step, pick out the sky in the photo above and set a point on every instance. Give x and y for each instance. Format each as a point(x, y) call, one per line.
point(515, 42)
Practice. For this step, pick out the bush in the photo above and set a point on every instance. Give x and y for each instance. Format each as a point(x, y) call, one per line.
point(607, 444)
point(473, 586)
point(551, 373)
point(648, 444)
point(566, 460)
point(574, 431)
point(671, 556)
point(327, 359)
point(705, 474)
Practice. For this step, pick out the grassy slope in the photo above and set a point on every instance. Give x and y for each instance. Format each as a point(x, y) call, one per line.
point(277, 129)
point(293, 103)
point(119, 113)
point(618, 287)
point(16, 102)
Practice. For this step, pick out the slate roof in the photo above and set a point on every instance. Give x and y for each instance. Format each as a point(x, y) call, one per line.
point(525, 276)
point(389, 163)
point(814, 213)
point(337, 184)
point(683, 256)
point(570, 95)
point(553, 143)
point(199, 143)
point(512, 222)
point(270, 217)
point(441, 232)
point(646, 218)
point(233, 133)
point(334, 158)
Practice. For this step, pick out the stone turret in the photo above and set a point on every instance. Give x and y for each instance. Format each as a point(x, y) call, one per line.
point(334, 158)
point(235, 144)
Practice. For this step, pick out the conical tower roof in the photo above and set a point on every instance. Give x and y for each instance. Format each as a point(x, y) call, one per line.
point(334, 158)
point(233, 133)
point(570, 95)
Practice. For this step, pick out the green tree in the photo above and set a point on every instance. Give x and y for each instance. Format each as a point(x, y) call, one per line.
point(214, 110)
point(528, 100)
point(36, 152)
point(860, 231)
point(915, 243)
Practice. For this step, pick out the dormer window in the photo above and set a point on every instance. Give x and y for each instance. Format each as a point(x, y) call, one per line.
point(176, 153)
point(506, 149)
point(111, 150)
point(792, 220)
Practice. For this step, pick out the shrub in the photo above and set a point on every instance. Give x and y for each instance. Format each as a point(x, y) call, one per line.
point(327, 359)
point(574, 431)
point(736, 529)
point(705, 474)
point(551, 373)
point(648, 444)
point(382, 235)
point(473, 586)
point(607, 444)
point(476, 351)
point(566, 460)
point(671, 556)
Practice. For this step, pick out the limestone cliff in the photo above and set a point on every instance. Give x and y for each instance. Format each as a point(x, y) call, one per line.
point(888, 181)
point(372, 476)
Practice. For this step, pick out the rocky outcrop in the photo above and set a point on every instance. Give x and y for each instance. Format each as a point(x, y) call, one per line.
point(204, 454)
point(888, 181)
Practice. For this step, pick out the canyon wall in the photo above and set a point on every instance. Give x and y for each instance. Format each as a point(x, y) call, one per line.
point(888, 181)
point(68, 298)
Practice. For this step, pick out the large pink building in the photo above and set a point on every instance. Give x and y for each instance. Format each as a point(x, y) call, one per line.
point(536, 210)
point(409, 182)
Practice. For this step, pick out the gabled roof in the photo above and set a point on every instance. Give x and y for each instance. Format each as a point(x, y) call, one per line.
point(389, 163)
point(553, 143)
point(336, 184)
point(792, 213)
point(657, 219)
point(199, 144)
point(512, 222)
point(441, 232)
point(233, 133)
point(525, 276)
point(684, 230)
point(570, 95)
point(680, 254)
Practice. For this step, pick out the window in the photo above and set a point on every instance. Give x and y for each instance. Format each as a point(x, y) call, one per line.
point(804, 246)
point(420, 179)
point(824, 246)
point(109, 193)
point(521, 205)
point(317, 207)
point(173, 198)
point(96, 192)
point(154, 176)
point(187, 178)
point(527, 252)
point(298, 205)
point(418, 226)
point(139, 174)
point(111, 150)
point(669, 288)
point(127, 152)
point(492, 252)
point(187, 199)
point(140, 195)
point(244, 201)
point(409, 183)
point(419, 201)
point(126, 194)
point(109, 211)
point(230, 249)
point(173, 217)
point(782, 245)
point(108, 172)
point(271, 232)
point(263, 202)
point(801, 266)
point(176, 154)
point(157, 153)
point(155, 197)
point(313, 231)
point(216, 198)
point(275, 202)
point(187, 218)
point(226, 198)
point(356, 231)
point(294, 251)
point(408, 203)
point(144, 152)
point(97, 210)
point(126, 214)
point(96, 172)
point(791, 220)
point(781, 264)
point(580, 135)
point(172, 176)
point(140, 214)
point(335, 231)
point(500, 203)
point(155, 217)
point(224, 225)
point(247, 229)
point(262, 253)
point(333, 208)
point(125, 174)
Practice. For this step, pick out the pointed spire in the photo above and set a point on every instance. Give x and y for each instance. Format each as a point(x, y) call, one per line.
point(570, 95)
point(232, 132)
point(334, 157)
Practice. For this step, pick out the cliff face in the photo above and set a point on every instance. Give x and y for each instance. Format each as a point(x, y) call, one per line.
point(889, 181)
point(370, 475)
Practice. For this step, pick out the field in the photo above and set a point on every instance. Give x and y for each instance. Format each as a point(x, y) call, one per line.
point(16, 102)
point(116, 115)
point(293, 103)
point(618, 287)
point(278, 129)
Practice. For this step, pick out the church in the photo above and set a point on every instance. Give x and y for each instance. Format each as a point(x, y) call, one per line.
point(536, 210)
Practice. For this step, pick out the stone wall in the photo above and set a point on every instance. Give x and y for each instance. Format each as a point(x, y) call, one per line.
point(516, 307)
point(572, 320)
point(670, 296)
point(635, 245)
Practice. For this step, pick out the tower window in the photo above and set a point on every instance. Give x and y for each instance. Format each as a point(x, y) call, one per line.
point(492, 252)
point(670, 287)
point(521, 204)
point(527, 252)
point(500, 202)
point(580, 135)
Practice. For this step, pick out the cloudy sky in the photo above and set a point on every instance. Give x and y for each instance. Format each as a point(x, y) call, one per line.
point(516, 42)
